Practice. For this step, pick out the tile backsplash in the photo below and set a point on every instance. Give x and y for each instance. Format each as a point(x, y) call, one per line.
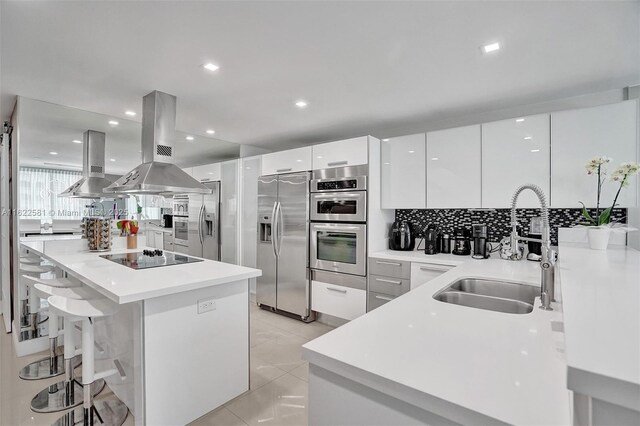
point(498, 221)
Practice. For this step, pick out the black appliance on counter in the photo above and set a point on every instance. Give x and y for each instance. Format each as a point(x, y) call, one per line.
point(167, 221)
point(401, 236)
point(535, 247)
point(431, 235)
point(480, 241)
point(462, 242)
point(444, 243)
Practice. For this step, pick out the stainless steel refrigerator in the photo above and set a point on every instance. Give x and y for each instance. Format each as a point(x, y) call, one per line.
point(283, 244)
point(204, 223)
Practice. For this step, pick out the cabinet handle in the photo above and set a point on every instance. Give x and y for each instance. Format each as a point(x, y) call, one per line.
point(336, 289)
point(434, 268)
point(388, 299)
point(284, 170)
point(337, 163)
point(380, 262)
point(382, 280)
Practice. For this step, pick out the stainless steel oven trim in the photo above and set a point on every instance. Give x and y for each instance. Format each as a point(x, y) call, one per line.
point(342, 280)
point(180, 241)
point(360, 267)
point(361, 184)
point(361, 206)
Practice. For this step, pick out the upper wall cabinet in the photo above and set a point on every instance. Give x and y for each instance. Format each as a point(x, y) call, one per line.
point(292, 160)
point(403, 172)
point(582, 134)
point(348, 152)
point(515, 152)
point(453, 168)
point(208, 172)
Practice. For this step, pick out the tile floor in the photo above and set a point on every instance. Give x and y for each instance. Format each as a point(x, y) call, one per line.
point(278, 393)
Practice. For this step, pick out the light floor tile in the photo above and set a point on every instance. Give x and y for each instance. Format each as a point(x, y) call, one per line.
point(262, 332)
point(284, 352)
point(220, 417)
point(261, 373)
point(302, 372)
point(282, 402)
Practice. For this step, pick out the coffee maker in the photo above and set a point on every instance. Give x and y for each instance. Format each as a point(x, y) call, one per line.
point(462, 243)
point(401, 236)
point(431, 239)
point(535, 247)
point(480, 235)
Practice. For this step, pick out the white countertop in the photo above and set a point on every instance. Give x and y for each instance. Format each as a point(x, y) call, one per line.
point(122, 284)
point(50, 237)
point(601, 303)
point(497, 367)
point(419, 256)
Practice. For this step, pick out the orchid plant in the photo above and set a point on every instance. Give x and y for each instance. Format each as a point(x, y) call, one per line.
point(597, 166)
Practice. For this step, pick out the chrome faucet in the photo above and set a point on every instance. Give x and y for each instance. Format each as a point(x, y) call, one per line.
point(548, 263)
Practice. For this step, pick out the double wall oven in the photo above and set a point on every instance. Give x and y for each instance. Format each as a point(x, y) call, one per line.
point(338, 211)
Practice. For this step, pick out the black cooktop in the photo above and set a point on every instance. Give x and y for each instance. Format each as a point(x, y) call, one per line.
point(149, 259)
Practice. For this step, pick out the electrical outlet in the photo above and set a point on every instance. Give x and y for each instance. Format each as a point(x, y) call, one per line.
point(206, 305)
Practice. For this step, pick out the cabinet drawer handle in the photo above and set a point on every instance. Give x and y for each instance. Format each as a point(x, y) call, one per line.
point(382, 280)
point(284, 170)
point(337, 163)
point(336, 289)
point(380, 262)
point(388, 299)
point(434, 268)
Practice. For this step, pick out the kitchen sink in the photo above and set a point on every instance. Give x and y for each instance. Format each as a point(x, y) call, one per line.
point(491, 295)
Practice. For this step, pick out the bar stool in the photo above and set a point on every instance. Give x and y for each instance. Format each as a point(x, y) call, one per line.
point(53, 365)
point(111, 412)
point(30, 260)
point(32, 271)
point(67, 393)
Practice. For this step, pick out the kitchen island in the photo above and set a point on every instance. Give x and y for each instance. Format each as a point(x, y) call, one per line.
point(181, 334)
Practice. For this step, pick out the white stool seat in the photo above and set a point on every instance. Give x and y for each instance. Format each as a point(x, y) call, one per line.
point(30, 260)
point(77, 310)
point(36, 269)
point(44, 292)
point(51, 282)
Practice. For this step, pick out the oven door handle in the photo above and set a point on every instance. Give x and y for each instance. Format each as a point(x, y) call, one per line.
point(335, 196)
point(336, 228)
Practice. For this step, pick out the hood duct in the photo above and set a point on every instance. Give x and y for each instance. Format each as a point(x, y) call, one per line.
point(93, 182)
point(158, 175)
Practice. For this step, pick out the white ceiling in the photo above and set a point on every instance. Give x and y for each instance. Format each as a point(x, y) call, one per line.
point(46, 127)
point(363, 66)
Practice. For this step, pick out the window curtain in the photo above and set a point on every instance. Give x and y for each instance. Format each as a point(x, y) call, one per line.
point(38, 194)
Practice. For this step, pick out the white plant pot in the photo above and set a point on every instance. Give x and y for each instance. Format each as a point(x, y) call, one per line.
point(598, 238)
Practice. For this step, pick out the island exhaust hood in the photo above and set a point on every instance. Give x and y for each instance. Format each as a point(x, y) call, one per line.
point(158, 175)
point(93, 182)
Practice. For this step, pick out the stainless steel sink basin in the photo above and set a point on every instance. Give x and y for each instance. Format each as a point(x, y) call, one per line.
point(492, 295)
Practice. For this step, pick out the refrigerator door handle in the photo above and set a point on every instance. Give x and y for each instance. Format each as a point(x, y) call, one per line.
point(280, 225)
point(274, 228)
point(200, 220)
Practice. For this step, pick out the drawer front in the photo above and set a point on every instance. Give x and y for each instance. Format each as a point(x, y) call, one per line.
point(339, 301)
point(389, 285)
point(424, 272)
point(389, 268)
point(168, 246)
point(377, 299)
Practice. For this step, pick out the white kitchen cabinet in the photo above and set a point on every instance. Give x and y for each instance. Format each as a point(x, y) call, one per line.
point(579, 135)
point(454, 168)
point(338, 301)
point(422, 273)
point(229, 193)
point(348, 152)
point(292, 160)
point(515, 152)
point(207, 172)
point(403, 172)
point(155, 239)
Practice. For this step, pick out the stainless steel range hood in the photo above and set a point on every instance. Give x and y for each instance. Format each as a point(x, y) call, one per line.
point(93, 181)
point(158, 175)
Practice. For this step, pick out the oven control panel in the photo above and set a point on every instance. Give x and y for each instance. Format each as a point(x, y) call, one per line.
point(336, 185)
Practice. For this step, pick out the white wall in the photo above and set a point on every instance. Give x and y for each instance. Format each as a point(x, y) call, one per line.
point(634, 213)
point(249, 172)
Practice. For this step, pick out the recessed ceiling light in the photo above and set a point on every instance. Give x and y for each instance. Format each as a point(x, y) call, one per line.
point(301, 104)
point(535, 150)
point(299, 161)
point(53, 153)
point(113, 122)
point(411, 152)
point(76, 141)
point(130, 113)
point(527, 138)
point(519, 120)
point(210, 132)
point(387, 164)
point(385, 140)
point(212, 172)
point(492, 47)
point(211, 67)
point(112, 159)
point(189, 138)
point(434, 159)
